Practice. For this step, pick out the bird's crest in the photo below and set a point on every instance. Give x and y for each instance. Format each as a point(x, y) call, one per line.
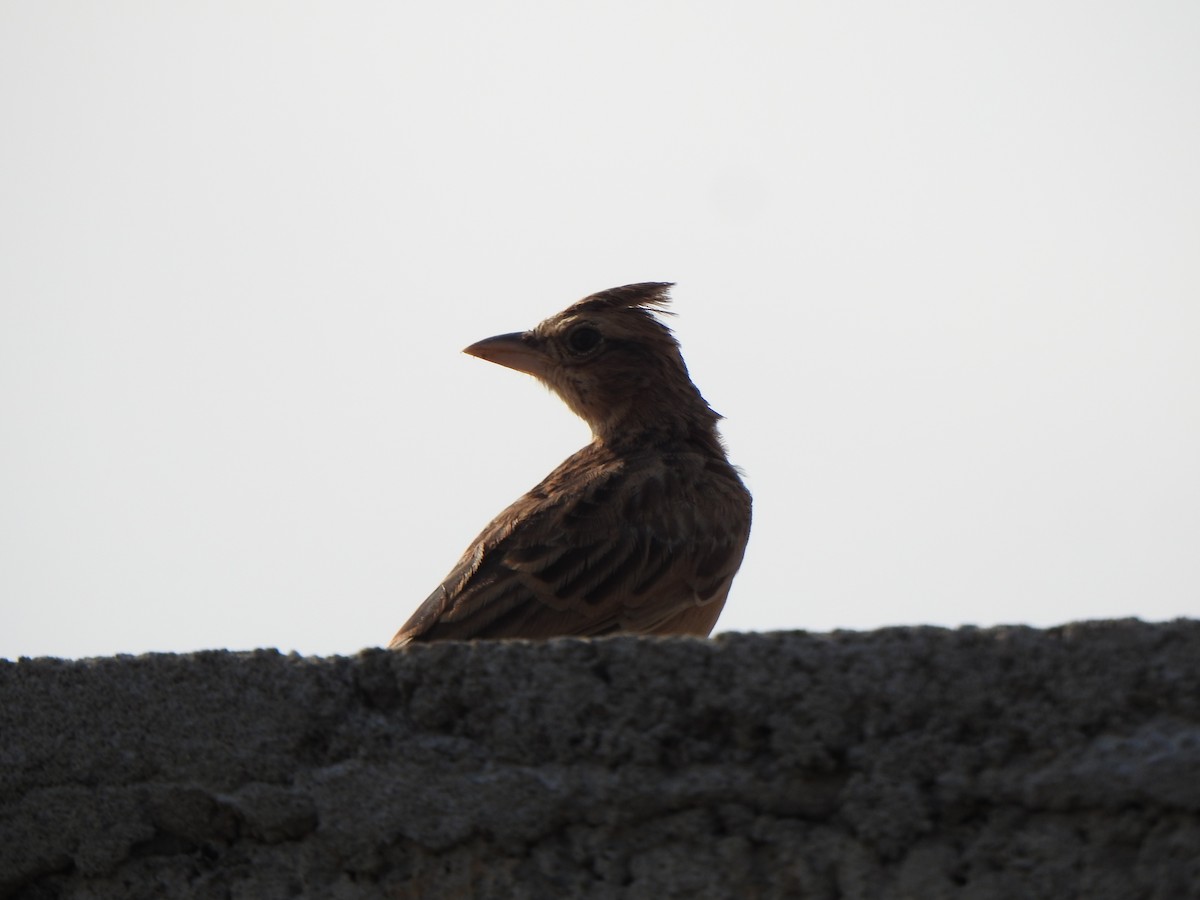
point(651, 296)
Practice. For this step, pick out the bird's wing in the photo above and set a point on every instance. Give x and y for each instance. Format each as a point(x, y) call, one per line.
point(631, 550)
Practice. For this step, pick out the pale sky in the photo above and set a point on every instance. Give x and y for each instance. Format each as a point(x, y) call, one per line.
point(938, 264)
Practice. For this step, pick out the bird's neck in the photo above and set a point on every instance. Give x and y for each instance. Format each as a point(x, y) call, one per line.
point(689, 425)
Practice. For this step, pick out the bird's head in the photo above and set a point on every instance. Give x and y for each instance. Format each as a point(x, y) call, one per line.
point(614, 362)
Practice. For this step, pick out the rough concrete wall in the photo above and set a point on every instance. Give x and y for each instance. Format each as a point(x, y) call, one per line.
point(908, 763)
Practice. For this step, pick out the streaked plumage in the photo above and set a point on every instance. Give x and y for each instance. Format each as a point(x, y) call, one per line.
point(640, 531)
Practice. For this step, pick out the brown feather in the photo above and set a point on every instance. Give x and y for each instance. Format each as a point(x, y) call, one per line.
point(641, 531)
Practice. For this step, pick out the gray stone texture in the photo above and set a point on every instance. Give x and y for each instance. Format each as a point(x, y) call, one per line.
point(913, 763)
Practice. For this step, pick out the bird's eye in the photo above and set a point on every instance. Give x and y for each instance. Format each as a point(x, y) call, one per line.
point(583, 339)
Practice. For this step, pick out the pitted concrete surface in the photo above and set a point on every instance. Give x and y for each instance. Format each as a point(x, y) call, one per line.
point(907, 763)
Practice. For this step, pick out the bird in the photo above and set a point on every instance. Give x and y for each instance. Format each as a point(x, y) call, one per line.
point(639, 532)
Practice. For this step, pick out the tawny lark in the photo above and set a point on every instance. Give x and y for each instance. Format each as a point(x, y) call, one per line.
point(642, 530)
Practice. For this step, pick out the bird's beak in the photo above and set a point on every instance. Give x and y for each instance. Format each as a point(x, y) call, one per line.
point(516, 351)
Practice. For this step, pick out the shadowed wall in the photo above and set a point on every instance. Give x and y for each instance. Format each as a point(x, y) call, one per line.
point(905, 763)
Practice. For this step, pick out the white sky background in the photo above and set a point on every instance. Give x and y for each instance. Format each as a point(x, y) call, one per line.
point(937, 263)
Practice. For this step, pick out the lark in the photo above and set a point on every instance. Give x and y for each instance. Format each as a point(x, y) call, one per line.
point(641, 531)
